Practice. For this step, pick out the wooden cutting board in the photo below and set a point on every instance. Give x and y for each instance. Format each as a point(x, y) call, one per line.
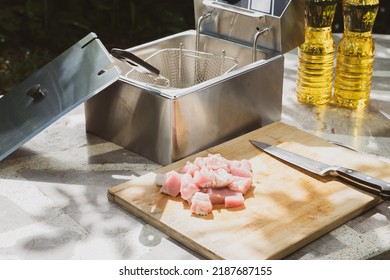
point(286, 209)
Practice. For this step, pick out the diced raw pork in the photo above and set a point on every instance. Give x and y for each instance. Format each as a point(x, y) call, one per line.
point(241, 172)
point(241, 184)
point(200, 161)
point(172, 183)
point(241, 168)
point(187, 187)
point(234, 200)
point(208, 181)
point(216, 161)
point(217, 196)
point(190, 168)
point(201, 204)
point(221, 178)
point(246, 165)
point(204, 178)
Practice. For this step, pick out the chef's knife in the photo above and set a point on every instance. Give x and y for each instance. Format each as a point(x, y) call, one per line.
point(359, 179)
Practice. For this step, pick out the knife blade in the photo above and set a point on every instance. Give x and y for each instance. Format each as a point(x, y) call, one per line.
point(363, 181)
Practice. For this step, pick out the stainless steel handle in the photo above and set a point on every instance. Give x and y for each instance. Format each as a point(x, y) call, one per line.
point(365, 182)
point(138, 63)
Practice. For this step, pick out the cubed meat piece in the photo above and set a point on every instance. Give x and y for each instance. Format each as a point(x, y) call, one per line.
point(217, 196)
point(190, 168)
point(204, 178)
point(241, 168)
point(216, 161)
point(200, 162)
point(233, 201)
point(201, 204)
point(221, 178)
point(240, 184)
point(172, 184)
point(187, 187)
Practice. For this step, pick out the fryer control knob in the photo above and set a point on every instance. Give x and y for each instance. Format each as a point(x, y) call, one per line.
point(36, 93)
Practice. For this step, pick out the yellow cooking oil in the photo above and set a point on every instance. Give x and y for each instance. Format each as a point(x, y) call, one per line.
point(316, 54)
point(355, 54)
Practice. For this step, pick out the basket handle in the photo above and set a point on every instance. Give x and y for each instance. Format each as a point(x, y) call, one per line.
point(136, 62)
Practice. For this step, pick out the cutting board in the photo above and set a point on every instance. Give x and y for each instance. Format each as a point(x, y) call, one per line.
point(285, 209)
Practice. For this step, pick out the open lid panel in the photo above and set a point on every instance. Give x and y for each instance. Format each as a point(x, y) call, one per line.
point(64, 83)
point(240, 20)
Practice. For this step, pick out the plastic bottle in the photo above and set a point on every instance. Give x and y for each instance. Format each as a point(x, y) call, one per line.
point(355, 54)
point(316, 54)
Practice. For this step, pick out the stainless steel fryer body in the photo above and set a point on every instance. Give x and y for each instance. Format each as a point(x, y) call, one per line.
point(167, 125)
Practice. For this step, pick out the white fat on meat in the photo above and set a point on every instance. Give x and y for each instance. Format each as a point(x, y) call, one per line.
point(241, 184)
point(208, 181)
point(190, 168)
point(201, 204)
point(204, 178)
point(222, 178)
point(240, 168)
point(187, 187)
point(216, 162)
point(233, 201)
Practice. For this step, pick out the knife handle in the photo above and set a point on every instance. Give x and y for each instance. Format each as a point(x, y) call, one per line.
point(364, 181)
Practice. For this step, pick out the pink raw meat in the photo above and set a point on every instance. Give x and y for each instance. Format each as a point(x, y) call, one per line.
point(216, 161)
point(187, 187)
point(240, 168)
point(200, 161)
point(246, 165)
point(234, 201)
point(203, 178)
point(221, 178)
point(217, 196)
point(207, 181)
point(241, 184)
point(172, 183)
point(201, 204)
point(190, 168)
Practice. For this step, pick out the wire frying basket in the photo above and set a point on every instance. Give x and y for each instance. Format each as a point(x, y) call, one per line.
point(181, 68)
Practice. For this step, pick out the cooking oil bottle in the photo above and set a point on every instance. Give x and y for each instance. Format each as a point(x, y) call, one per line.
point(355, 54)
point(316, 54)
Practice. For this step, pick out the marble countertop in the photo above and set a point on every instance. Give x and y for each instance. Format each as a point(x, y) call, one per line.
point(53, 190)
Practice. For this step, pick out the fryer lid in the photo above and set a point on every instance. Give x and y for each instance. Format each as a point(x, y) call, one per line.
point(64, 83)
